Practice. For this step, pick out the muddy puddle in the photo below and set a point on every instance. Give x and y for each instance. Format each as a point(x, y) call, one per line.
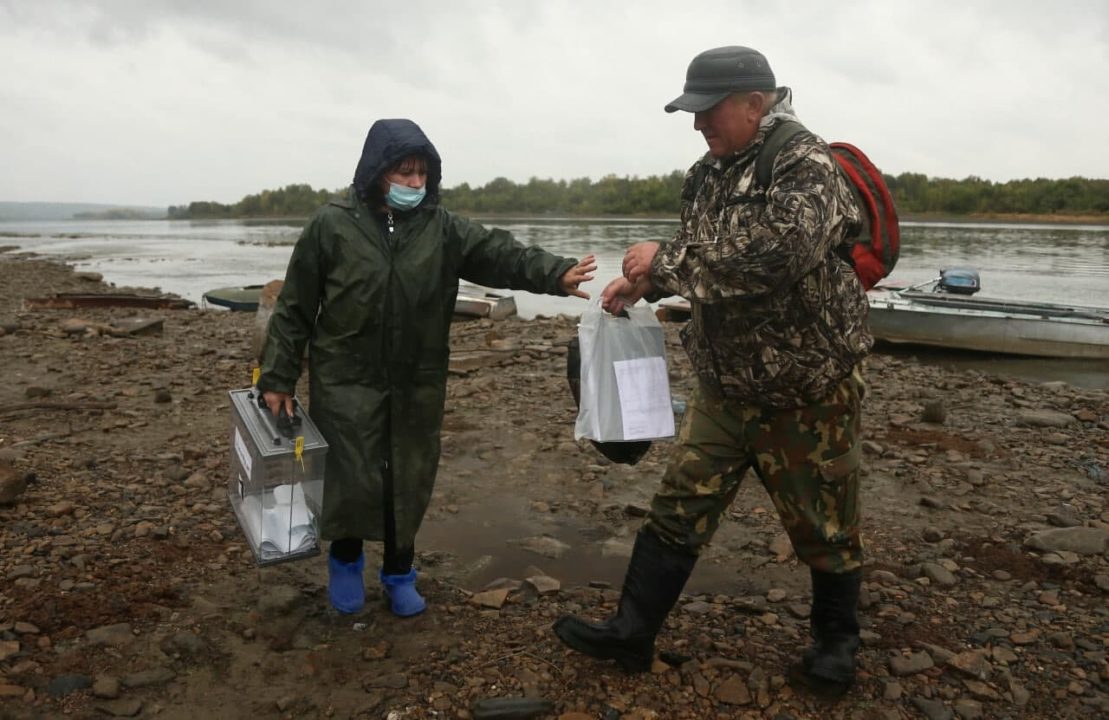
point(480, 544)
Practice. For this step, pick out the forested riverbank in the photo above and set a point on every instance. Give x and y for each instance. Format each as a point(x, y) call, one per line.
point(1039, 200)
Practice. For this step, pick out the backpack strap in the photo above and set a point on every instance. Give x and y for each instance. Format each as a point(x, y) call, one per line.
point(781, 134)
point(689, 193)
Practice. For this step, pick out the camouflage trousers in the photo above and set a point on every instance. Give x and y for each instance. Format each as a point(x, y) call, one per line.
point(807, 459)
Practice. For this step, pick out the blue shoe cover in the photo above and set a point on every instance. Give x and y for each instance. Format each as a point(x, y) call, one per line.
point(344, 585)
point(403, 598)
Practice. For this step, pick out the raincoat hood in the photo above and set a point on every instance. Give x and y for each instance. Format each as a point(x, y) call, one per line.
point(389, 141)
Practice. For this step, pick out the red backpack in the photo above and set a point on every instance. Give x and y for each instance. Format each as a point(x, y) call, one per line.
point(873, 248)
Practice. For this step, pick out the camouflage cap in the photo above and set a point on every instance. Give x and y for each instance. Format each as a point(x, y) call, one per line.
point(715, 74)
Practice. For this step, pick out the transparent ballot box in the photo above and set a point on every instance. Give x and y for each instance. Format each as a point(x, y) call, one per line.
point(276, 481)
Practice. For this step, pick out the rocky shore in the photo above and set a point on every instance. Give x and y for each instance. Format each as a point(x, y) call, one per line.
point(128, 589)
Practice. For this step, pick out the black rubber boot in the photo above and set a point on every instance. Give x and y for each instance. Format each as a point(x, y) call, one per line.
point(830, 662)
point(656, 575)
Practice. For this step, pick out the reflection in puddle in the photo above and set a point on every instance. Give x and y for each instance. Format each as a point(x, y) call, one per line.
point(483, 545)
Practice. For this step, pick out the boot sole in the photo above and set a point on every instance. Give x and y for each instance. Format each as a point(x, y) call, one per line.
point(628, 662)
point(820, 687)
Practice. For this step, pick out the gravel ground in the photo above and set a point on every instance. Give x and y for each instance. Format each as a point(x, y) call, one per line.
point(128, 589)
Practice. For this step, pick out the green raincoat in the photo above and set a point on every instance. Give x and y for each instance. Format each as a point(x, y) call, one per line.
point(375, 312)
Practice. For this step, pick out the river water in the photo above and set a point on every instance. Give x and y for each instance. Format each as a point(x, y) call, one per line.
point(1054, 263)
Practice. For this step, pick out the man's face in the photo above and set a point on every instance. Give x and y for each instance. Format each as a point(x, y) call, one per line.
point(730, 124)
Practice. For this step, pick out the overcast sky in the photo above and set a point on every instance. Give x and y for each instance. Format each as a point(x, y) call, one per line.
point(160, 102)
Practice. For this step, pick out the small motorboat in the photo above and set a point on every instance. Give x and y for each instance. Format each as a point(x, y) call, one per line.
point(942, 313)
point(243, 299)
point(675, 309)
point(476, 302)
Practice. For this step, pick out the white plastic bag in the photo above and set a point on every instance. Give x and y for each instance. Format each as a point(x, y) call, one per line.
point(625, 388)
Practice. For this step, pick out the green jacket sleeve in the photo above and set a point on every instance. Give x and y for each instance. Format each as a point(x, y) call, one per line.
point(291, 324)
point(496, 259)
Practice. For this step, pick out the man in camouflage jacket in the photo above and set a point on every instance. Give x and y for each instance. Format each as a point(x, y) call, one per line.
point(777, 335)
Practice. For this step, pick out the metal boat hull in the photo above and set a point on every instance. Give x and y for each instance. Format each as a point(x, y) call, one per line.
point(1015, 328)
point(239, 299)
point(477, 303)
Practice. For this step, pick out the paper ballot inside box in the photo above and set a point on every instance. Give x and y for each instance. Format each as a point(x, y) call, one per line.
point(280, 521)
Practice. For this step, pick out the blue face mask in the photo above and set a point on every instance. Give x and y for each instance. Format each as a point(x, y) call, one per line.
point(401, 197)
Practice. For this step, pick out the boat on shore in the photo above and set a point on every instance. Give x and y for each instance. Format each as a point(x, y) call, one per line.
point(942, 313)
point(472, 301)
point(476, 302)
point(239, 299)
point(675, 309)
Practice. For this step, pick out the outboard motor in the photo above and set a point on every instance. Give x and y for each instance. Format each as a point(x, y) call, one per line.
point(959, 281)
point(625, 453)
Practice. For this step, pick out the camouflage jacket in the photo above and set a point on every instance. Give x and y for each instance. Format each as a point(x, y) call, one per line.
point(778, 318)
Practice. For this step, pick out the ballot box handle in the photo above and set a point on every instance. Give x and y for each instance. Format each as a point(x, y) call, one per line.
point(287, 425)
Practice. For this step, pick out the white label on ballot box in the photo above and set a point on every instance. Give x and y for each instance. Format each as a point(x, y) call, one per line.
point(644, 390)
point(242, 452)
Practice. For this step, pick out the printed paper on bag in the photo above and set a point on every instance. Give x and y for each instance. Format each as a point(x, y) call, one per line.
point(644, 390)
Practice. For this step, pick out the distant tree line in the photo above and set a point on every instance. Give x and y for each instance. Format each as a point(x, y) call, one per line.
point(118, 214)
point(914, 194)
point(289, 201)
point(611, 195)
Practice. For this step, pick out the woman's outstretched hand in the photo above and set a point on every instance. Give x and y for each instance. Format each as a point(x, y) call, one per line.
point(582, 272)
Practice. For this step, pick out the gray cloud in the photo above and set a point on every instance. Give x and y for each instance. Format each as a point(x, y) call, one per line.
point(167, 101)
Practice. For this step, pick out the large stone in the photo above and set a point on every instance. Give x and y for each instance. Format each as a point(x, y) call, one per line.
point(1081, 540)
point(544, 545)
point(733, 691)
point(781, 547)
point(392, 681)
point(65, 684)
point(903, 665)
point(120, 708)
point(616, 548)
point(106, 687)
point(491, 598)
point(933, 709)
point(8, 649)
point(972, 663)
point(511, 708)
point(12, 483)
point(938, 574)
point(544, 585)
point(968, 709)
point(1045, 418)
point(139, 326)
point(117, 635)
point(280, 600)
point(148, 678)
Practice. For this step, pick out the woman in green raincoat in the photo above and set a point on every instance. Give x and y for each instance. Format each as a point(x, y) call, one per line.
point(370, 288)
